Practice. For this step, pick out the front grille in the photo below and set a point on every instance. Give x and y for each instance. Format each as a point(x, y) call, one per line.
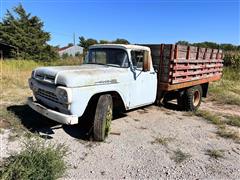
point(45, 77)
point(48, 95)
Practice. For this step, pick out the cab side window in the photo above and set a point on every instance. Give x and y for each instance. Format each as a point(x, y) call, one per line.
point(137, 59)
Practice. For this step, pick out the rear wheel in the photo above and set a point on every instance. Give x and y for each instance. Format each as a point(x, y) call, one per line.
point(181, 100)
point(191, 98)
point(103, 117)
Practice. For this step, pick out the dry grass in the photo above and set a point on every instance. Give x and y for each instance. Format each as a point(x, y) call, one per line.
point(211, 117)
point(228, 133)
point(162, 140)
point(227, 90)
point(179, 156)
point(215, 153)
point(233, 120)
point(14, 75)
point(223, 130)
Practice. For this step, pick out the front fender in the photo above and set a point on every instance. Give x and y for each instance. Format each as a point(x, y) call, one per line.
point(82, 95)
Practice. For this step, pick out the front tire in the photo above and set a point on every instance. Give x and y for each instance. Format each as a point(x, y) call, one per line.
point(103, 117)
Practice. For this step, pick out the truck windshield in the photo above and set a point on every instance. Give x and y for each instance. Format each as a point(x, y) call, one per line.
point(108, 56)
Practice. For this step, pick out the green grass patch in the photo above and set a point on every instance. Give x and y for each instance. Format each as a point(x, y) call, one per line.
point(36, 161)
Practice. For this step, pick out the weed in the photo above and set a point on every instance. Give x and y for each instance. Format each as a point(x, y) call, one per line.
point(162, 140)
point(180, 156)
point(222, 131)
point(233, 120)
point(215, 153)
point(227, 133)
point(36, 161)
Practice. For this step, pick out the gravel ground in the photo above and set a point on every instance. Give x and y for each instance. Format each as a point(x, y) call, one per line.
point(133, 152)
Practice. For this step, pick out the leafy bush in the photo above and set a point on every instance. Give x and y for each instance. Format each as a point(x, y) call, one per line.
point(36, 161)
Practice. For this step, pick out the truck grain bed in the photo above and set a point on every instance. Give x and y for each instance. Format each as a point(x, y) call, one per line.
point(182, 66)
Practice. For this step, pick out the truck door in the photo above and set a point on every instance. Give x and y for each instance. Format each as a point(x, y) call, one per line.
point(143, 85)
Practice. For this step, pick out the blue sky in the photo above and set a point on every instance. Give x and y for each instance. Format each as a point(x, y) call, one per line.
point(139, 21)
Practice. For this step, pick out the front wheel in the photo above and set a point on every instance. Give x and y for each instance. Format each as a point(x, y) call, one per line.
point(103, 117)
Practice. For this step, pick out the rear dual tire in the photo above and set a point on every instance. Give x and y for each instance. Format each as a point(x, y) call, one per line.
point(190, 99)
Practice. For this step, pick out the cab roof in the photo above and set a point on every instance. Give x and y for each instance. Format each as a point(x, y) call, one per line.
point(120, 46)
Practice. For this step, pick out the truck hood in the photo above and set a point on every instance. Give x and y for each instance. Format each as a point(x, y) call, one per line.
point(82, 75)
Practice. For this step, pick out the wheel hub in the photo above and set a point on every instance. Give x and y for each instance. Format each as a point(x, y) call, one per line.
point(196, 98)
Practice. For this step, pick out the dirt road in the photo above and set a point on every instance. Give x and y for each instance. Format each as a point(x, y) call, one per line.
point(146, 143)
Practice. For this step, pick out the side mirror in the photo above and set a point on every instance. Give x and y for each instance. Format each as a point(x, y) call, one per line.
point(146, 61)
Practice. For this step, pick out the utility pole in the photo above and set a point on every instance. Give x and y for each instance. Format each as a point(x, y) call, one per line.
point(74, 38)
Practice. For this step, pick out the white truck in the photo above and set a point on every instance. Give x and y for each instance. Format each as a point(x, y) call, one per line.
point(123, 77)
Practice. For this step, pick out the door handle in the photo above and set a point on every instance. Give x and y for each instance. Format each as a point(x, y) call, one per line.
point(152, 72)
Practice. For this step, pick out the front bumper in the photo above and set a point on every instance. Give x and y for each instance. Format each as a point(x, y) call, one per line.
point(51, 114)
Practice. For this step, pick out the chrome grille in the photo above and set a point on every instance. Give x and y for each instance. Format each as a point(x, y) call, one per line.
point(48, 95)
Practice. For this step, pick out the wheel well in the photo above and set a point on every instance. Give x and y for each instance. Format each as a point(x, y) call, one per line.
point(118, 103)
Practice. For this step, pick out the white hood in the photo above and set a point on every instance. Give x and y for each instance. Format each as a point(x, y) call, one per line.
point(83, 75)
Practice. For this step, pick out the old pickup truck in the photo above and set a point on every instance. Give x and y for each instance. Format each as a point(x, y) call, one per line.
point(124, 77)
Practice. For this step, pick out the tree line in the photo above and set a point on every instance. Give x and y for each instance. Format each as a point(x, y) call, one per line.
point(206, 44)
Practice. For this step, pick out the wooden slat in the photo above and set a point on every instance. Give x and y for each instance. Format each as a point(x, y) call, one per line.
point(196, 61)
point(189, 73)
point(195, 78)
point(184, 67)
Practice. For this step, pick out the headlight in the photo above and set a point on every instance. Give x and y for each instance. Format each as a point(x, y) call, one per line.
point(33, 87)
point(64, 94)
point(33, 72)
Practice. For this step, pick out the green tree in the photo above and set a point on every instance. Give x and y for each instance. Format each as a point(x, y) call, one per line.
point(25, 31)
point(103, 42)
point(121, 41)
point(186, 43)
point(85, 43)
point(65, 55)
